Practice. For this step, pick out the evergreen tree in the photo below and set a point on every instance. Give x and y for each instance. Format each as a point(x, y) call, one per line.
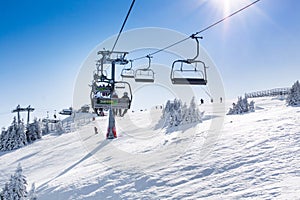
point(184, 114)
point(175, 114)
point(59, 128)
point(32, 193)
point(166, 117)
point(167, 107)
point(15, 189)
point(194, 110)
point(20, 139)
point(14, 137)
point(242, 106)
point(245, 105)
point(251, 106)
point(3, 139)
point(34, 131)
point(5, 193)
point(192, 114)
point(239, 106)
point(45, 129)
point(293, 98)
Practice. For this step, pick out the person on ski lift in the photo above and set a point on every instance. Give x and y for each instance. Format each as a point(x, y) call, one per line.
point(125, 96)
point(115, 95)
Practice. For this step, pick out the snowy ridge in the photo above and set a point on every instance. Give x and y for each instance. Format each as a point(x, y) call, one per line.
point(255, 156)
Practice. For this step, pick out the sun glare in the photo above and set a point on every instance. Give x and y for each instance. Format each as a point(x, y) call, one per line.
point(222, 8)
point(229, 6)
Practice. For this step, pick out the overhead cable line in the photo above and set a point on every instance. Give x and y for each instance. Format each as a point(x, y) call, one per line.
point(123, 25)
point(201, 31)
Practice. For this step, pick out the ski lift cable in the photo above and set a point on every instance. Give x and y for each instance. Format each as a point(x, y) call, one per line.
point(125, 20)
point(201, 31)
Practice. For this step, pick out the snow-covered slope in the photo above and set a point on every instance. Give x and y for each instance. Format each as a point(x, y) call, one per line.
point(256, 156)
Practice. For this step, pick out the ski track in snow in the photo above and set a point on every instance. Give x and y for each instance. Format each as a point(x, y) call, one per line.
point(255, 157)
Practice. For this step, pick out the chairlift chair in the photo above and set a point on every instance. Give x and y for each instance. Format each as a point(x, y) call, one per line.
point(145, 75)
point(123, 102)
point(103, 102)
point(188, 73)
point(120, 85)
point(66, 112)
point(128, 72)
point(99, 90)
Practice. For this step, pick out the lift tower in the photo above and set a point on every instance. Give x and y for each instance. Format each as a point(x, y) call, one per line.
point(103, 88)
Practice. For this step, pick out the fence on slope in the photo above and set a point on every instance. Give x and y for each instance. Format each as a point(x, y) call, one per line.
point(269, 93)
point(70, 124)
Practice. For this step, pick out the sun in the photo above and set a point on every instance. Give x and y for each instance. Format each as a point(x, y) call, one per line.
point(228, 6)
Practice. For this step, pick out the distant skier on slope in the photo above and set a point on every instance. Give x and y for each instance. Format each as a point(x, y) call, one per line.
point(96, 130)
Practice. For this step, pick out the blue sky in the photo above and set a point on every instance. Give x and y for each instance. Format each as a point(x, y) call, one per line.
point(44, 43)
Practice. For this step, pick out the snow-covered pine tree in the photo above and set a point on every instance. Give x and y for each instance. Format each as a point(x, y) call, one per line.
point(231, 110)
point(15, 189)
point(193, 114)
point(177, 113)
point(59, 127)
point(184, 114)
point(4, 194)
point(21, 136)
point(239, 106)
point(167, 114)
point(32, 193)
point(236, 107)
point(14, 137)
point(34, 131)
point(251, 106)
point(191, 111)
point(245, 105)
point(242, 106)
point(38, 128)
point(293, 98)
point(3, 138)
point(45, 127)
point(171, 115)
point(167, 107)
point(164, 119)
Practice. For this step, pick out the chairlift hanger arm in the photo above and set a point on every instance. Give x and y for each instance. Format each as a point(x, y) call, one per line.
point(130, 64)
point(149, 61)
point(197, 50)
point(128, 72)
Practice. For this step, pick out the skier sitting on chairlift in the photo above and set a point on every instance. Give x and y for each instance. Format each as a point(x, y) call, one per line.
point(125, 96)
point(115, 111)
